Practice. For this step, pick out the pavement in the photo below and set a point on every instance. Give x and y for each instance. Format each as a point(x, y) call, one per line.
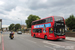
point(70, 38)
point(0, 38)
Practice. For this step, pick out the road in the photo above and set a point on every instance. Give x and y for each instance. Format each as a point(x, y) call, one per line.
point(26, 42)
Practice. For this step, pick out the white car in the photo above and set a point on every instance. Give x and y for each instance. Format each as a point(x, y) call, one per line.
point(19, 32)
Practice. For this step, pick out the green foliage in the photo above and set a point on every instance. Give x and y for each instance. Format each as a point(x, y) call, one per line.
point(12, 27)
point(30, 19)
point(17, 27)
point(70, 22)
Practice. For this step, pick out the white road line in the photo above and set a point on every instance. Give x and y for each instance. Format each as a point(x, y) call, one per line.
point(49, 47)
point(50, 43)
point(30, 41)
point(27, 33)
point(33, 42)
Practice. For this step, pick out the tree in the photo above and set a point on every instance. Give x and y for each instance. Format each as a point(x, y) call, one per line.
point(17, 27)
point(12, 27)
point(70, 22)
point(30, 19)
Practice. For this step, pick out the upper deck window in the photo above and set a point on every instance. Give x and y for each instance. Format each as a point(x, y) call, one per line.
point(43, 21)
point(58, 19)
point(49, 19)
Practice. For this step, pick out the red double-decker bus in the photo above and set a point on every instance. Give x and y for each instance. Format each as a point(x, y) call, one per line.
point(52, 28)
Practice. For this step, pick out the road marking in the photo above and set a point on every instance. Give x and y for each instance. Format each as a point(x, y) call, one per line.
point(58, 46)
point(34, 42)
point(2, 43)
point(50, 43)
point(30, 41)
point(5, 35)
point(27, 33)
point(49, 47)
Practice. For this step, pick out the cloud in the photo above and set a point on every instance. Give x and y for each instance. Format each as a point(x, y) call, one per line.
point(11, 10)
point(2, 12)
point(1, 2)
point(44, 4)
point(3, 26)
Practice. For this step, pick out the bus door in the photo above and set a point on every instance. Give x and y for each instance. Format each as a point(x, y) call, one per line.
point(36, 34)
point(51, 32)
point(35, 31)
point(39, 32)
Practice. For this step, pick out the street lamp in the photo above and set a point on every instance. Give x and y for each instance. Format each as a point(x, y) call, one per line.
point(21, 22)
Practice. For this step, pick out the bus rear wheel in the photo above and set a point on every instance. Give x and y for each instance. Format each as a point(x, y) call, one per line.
point(45, 37)
point(34, 35)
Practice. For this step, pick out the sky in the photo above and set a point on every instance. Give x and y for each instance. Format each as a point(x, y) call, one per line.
point(17, 11)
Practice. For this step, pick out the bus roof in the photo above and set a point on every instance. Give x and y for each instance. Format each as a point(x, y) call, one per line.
point(45, 18)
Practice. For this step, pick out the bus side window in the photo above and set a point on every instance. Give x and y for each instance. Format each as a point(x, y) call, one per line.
point(43, 21)
point(39, 30)
point(50, 30)
point(47, 20)
point(33, 23)
point(34, 30)
point(51, 19)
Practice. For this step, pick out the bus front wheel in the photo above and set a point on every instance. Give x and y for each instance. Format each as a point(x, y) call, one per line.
point(45, 37)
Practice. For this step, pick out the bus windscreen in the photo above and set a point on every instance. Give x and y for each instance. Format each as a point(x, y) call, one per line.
point(58, 19)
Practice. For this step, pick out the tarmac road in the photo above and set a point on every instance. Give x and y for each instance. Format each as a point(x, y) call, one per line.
point(26, 42)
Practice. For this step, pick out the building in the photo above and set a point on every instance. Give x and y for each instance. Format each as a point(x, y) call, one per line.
point(23, 27)
point(5, 28)
point(0, 24)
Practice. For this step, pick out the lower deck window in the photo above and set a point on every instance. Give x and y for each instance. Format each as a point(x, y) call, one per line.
point(37, 30)
point(50, 30)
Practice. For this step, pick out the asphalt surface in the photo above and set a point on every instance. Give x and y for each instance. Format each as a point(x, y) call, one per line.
point(26, 42)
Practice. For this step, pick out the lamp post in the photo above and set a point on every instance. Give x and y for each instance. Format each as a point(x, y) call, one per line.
point(21, 22)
